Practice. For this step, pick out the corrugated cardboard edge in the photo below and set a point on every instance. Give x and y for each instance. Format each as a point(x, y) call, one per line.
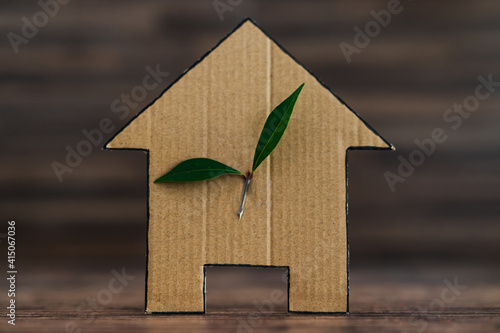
point(146, 151)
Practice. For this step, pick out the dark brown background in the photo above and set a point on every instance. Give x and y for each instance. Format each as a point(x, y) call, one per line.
point(441, 223)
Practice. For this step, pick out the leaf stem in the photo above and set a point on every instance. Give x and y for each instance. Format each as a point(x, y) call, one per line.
point(246, 185)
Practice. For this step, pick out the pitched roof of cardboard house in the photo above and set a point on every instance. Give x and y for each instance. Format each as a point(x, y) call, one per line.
point(246, 66)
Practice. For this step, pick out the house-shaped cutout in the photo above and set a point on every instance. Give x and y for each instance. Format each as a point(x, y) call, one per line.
point(296, 210)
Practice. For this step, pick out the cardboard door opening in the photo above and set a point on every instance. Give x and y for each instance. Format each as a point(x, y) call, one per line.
point(246, 289)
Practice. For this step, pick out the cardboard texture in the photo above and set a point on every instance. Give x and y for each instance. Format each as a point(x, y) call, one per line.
point(295, 214)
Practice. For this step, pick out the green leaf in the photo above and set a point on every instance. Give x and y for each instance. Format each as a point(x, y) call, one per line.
point(274, 128)
point(197, 169)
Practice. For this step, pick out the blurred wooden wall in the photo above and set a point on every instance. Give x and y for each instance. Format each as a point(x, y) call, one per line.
point(428, 58)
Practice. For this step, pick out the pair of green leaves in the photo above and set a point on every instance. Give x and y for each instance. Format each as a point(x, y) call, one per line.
point(198, 169)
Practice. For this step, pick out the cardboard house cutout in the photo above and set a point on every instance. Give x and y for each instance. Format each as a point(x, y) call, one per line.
point(296, 210)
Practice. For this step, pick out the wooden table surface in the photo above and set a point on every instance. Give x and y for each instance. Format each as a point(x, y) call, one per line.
point(402, 298)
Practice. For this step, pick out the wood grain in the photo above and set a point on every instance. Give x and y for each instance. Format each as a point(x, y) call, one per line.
point(383, 299)
point(65, 79)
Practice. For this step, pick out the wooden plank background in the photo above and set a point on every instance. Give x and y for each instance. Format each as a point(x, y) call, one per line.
point(442, 220)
